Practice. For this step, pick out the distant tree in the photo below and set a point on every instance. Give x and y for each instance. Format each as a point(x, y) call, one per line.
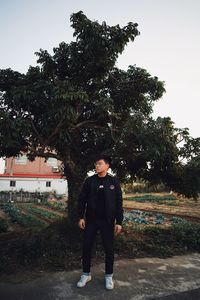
point(76, 103)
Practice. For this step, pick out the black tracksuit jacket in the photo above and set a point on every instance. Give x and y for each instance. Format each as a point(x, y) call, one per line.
point(113, 199)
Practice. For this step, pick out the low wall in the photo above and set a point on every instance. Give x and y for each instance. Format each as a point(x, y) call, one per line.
point(22, 196)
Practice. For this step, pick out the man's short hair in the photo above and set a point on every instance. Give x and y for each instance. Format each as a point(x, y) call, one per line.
point(106, 158)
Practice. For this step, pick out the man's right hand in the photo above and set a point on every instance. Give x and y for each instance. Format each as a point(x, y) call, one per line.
point(81, 223)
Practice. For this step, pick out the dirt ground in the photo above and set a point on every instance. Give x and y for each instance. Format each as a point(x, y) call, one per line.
point(181, 207)
point(12, 227)
point(185, 208)
point(61, 214)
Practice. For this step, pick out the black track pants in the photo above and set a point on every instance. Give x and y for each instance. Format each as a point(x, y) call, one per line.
point(107, 235)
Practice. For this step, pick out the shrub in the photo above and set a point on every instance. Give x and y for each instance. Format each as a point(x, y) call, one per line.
point(187, 234)
point(142, 187)
point(183, 235)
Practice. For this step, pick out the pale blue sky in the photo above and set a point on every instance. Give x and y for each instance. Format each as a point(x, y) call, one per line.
point(168, 46)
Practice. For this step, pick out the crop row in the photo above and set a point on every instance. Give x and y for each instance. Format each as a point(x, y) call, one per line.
point(56, 205)
point(152, 198)
point(18, 217)
point(141, 217)
point(40, 212)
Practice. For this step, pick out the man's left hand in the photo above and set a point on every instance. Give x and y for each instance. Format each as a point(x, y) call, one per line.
point(118, 228)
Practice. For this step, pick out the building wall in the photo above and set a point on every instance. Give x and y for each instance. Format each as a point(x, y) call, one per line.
point(2, 165)
point(21, 165)
point(58, 185)
point(36, 176)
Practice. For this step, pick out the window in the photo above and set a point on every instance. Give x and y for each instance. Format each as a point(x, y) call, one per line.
point(51, 161)
point(48, 183)
point(12, 183)
point(21, 160)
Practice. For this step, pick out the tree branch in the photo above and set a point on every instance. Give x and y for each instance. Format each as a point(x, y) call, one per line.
point(82, 123)
point(34, 128)
point(55, 130)
point(42, 153)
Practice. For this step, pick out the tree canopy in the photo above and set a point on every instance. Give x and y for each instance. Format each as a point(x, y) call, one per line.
point(76, 103)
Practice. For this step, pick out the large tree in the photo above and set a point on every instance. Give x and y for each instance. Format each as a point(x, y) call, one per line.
point(77, 103)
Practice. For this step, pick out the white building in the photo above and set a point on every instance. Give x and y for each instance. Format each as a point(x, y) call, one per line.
point(36, 176)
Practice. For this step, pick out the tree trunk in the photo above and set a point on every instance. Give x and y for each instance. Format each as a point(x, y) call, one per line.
point(75, 181)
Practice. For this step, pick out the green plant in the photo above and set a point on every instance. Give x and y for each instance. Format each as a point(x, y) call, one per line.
point(18, 217)
point(183, 235)
point(152, 198)
point(3, 225)
point(187, 234)
point(56, 205)
point(41, 212)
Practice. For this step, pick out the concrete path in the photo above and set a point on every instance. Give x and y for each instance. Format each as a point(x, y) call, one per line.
point(135, 279)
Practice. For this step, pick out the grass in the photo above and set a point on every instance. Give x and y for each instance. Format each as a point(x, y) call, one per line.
point(143, 241)
point(58, 246)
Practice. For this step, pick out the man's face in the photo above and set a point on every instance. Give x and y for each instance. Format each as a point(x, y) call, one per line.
point(101, 166)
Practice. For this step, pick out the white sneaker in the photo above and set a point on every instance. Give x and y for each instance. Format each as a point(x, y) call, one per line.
point(109, 282)
point(84, 279)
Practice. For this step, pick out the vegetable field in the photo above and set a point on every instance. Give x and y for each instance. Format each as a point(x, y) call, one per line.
point(21, 216)
point(38, 235)
point(160, 209)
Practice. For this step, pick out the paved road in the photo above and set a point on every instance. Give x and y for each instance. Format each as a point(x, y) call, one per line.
point(176, 278)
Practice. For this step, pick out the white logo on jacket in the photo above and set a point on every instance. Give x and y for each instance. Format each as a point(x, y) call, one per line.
point(112, 187)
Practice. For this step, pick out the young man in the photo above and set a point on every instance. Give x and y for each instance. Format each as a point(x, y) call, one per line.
point(100, 209)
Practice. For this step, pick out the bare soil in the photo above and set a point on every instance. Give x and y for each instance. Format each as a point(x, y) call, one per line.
point(184, 208)
point(61, 214)
point(26, 212)
point(12, 227)
point(16, 228)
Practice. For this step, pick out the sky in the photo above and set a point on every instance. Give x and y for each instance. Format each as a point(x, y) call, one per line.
point(168, 45)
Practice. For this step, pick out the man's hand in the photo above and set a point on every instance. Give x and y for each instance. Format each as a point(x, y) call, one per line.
point(118, 228)
point(81, 223)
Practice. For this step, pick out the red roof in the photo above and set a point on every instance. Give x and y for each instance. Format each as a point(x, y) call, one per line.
point(31, 175)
